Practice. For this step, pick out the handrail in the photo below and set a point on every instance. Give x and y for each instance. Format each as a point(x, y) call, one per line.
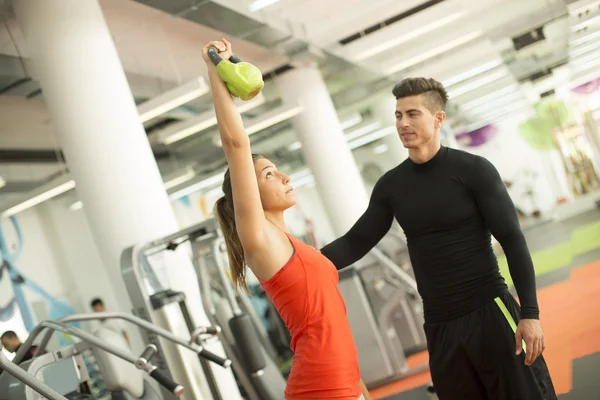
point(395, 268)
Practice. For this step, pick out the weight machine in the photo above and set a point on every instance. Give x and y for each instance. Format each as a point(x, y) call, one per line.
point(257, 373)
point(385, 314)
point(62, 374)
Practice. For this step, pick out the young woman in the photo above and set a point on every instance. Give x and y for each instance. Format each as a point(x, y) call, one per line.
point(301, 283)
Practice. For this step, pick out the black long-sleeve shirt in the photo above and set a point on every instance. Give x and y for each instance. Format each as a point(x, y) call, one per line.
point(447, 207)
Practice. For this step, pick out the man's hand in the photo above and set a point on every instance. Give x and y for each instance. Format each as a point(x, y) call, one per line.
point(530, 330)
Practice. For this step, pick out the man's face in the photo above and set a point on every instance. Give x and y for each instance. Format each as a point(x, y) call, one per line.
point(415, 123)
point(11, 344)
point(98, 308)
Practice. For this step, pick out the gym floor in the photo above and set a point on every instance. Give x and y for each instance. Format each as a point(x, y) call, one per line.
point(567, 259)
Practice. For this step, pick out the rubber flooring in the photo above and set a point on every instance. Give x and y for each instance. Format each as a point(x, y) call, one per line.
point(567, 259)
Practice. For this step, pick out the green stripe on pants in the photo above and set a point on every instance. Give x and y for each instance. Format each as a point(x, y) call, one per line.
point(509, 318)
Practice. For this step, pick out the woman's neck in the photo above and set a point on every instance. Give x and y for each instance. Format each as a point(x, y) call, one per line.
point(276, 218)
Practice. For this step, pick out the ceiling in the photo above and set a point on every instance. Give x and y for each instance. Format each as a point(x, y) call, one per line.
point(496, 57)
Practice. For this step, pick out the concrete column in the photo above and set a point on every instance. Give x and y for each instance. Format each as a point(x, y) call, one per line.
point(96, 121)
point(325, 149)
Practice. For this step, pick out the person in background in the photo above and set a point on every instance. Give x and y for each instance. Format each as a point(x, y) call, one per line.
point(113, 324)
point(12, 343)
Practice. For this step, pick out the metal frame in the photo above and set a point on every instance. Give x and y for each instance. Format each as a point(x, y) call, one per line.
point(27, 379)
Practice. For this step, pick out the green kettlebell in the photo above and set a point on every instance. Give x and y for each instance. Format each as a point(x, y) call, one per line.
point(242, 79)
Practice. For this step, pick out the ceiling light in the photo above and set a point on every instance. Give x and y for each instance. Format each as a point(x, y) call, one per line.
point(184, 129)
point(2, 182)
point(352, 121)
point(471, 73)
point(203, 184)
point(187, 176)
point(78, 205)
point(45, 192)
point(260, 4)
point(407, 36)
point(582, 65)
point(361, 141)
point(579, 7)
point(363, 130)
point(295, 146)
point(172, 99)
point(382, 148)
point(490, 97)
point(273, 118)
point(586, 23)
point(434, 52)
point(585, 38)
point(584, 49)
point(477, 84)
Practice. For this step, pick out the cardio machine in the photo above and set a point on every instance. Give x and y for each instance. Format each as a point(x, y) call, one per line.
point(258, 376)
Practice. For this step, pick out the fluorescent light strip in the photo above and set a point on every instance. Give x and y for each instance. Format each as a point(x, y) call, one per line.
point(471, 73)
point(348, 123)
point(362, 130)
point(477, 84)
point(489, 97)
point(204, 184)
point(192, 126)
point(434, 52)
point(352, 121)
point(588, 6)
point(582, 66)
point(273, 120)
point(260, 4)
point(584, 49)
point(361, 141)
point(295, 146)
point(172, 99)
point(382, 148)
point(407, 36)
point(586, 23)
point(170, 184)
point(40, 198)
point(585, 38)
point(187, 176)
point(505, 110)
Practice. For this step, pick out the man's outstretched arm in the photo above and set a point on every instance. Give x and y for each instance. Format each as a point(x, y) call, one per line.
point(366, 232)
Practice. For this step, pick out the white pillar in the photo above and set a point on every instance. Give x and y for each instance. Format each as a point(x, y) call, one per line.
point(384, 111)
point(96, 121)
point(325, 149)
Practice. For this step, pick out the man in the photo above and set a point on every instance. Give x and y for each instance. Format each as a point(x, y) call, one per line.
point(448, 202)
point(113, 324)
point(11, 342)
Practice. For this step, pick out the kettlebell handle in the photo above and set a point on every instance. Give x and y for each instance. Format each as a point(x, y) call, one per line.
point(213, 54)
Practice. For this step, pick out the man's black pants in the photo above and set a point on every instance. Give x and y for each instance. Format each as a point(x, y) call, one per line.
point(473, 357)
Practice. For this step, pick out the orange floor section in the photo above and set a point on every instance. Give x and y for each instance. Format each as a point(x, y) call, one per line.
point(570, 314)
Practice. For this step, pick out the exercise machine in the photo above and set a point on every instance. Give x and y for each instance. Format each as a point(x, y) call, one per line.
point(64, 371)
point(257, 374)
point(10, 371)
point(385, 314)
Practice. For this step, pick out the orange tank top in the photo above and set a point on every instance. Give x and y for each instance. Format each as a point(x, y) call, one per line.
point(306, 295)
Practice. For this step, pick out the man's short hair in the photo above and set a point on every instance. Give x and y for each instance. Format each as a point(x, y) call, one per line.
point(9, 335)
point(96, 302)
point(434, 92)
